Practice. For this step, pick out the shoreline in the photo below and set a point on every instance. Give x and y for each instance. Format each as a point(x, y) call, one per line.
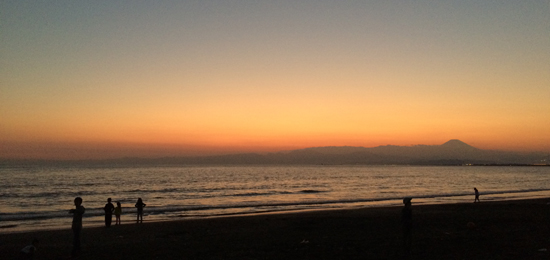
point(511, 229)
point(96, 220)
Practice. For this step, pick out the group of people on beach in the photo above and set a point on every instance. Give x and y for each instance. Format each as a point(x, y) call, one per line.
point(109, 209)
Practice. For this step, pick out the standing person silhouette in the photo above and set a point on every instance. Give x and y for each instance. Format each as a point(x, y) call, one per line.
point(406, 220)
point(477, 195)
point(109, 208)
point(118, 212)
point(77, 224)
point(139, 206)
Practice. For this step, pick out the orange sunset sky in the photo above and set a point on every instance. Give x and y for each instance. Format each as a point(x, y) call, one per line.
point(102, 79)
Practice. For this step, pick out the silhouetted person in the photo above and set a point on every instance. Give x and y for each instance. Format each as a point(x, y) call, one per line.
point(27, 252)
point(109, 208)
point(139, 206)
point(118, 212)
point(77, 224)
point(477, 195)
point(406, 220)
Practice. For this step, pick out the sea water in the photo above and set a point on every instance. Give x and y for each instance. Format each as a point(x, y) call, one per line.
point(33, 198)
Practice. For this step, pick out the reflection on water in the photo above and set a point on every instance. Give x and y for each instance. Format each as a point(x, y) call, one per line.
point(41, 196)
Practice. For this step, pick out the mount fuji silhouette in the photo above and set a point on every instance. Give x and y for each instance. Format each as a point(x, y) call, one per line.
point(457, 144)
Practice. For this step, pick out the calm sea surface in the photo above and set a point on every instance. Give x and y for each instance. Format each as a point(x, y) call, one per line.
point(40, 197)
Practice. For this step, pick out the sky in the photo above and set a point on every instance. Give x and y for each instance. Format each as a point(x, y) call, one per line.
point(101, 79)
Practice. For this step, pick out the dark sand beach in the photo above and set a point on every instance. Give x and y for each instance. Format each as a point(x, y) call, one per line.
point(499, 230)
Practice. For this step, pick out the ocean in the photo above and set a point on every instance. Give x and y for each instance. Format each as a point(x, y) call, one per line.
point(36, 198)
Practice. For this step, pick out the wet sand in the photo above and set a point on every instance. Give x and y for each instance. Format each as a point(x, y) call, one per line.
point(499, 230)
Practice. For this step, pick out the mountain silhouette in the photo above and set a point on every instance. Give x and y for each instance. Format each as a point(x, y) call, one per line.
point(457, 144)
point(452, 152)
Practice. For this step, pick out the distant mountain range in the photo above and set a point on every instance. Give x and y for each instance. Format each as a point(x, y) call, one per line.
point(453, 152)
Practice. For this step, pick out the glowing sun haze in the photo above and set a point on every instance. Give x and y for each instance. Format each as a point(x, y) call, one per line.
point(99, 79)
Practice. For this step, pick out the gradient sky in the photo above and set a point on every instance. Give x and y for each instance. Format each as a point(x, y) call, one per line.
point(96, 79)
